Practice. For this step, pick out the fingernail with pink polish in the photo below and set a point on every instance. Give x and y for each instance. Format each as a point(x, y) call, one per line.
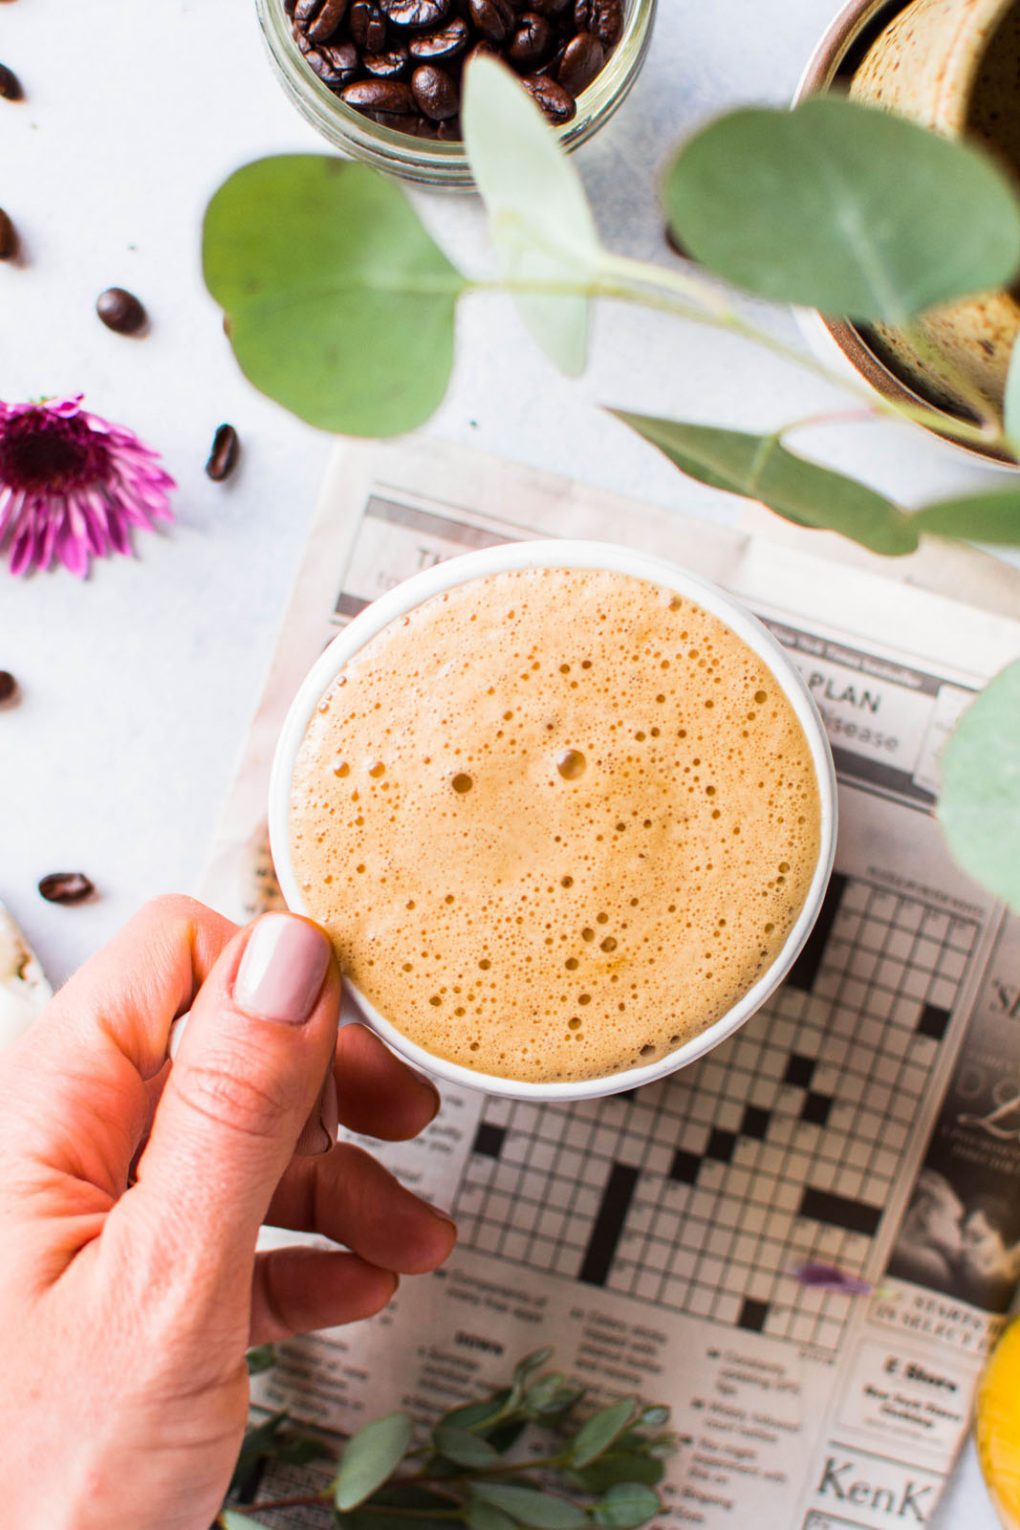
point(282, 969)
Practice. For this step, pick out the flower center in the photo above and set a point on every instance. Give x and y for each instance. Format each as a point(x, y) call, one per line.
point(42, 451)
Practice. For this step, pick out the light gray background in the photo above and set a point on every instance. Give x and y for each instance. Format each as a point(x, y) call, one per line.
point(139, 684)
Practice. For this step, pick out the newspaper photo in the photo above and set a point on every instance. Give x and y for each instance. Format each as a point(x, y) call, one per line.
point(805, 1243)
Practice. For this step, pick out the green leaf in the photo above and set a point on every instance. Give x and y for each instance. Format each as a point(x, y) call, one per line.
point(231, 1520)
point(259, 1440)
point(653, 1417)
point(299, 1449)
point(339, 304)
point(539, 1511)
point(843, 207)
point(611, 1469)
point(1011, 403)
point(760, 468)
point(980, 803)
point(627, 1506)
point(478, 1415)
point(539, 218)
point(602, 1429)
point(990, 517)
point(370, 1457)
point(464, 1448)
point(485, 1516)
point(263, 1358)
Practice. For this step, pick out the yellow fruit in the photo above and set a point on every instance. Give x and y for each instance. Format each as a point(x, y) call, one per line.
point(997, 1427)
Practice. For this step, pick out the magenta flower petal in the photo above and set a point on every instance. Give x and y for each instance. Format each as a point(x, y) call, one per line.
point(72, 485)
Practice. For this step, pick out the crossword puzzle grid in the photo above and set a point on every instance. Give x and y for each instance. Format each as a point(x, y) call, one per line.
point(701, 1193)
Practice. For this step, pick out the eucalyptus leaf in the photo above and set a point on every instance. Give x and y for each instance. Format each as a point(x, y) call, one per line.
point(761, 468)
point(990, 517)
point(843, 207)
point(611, 1469)
point(485, 1516)
point(339, 304)
point(1011, 403)
point(260, 1359)
point(979, 807)
point(479, 1415)
point(627, 1506)
point(539, 1511)
point(231, 1520)
point(370, 1457)
point(653, 1417)
point(539, 218)
point(299, 1449)
point(600, 1431)
point(464, 1448)
point(259, 1440)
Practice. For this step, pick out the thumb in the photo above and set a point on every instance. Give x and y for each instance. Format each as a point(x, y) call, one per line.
point(259, 1041)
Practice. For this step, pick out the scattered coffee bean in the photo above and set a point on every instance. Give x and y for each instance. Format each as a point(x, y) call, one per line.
point(603, 17)
point(415, 13)
point(8, 237)
point(66, 887)
point(432, 47)
point(368, 26)
point(583, 57)
point(531, 42)
point(8, 687)
point(493, 18)
point(10, 85)
point(557, 103)
point(391, 96)
point(401, 62)
point(120, 311)
point(435, 93)
point(226, 449)
point(386, 66)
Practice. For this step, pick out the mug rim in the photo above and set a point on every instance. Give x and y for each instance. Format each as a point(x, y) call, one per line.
point(565, 554)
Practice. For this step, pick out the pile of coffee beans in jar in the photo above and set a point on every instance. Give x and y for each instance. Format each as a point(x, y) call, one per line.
point(401, 62)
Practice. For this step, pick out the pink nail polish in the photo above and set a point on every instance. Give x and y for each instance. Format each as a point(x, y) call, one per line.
point(282, 969)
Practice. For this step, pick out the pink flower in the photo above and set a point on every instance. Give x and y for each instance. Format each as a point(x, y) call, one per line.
point(72, 485)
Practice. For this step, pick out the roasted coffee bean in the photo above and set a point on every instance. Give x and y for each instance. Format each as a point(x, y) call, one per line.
point(603, 17)
point(548, 8)
point(368, 26)
point(436, 94)
point(336, 64)
point(120, 311)
point(386, 66)
point(410, 124)
point(8, 687)
point(226, 449)
point(583, 57)
point(319, 19)
point(8, 237)
point(415, 13)
point(10, 85)
point(531, 42)
point(493, 18)
point(481, 49)
point(432, 47)
point(66, 887)
point(288, 7)
point(557, 103)
point(551, 67)
point(391, 96)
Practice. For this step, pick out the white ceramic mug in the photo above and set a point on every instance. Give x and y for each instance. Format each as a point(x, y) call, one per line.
point(395, 604)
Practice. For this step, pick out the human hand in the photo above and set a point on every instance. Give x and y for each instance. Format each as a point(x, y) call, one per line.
point(127, 1301)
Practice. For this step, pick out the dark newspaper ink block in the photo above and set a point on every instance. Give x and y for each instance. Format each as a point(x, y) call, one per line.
point(800, 1071)
point(816, 1109)
point(489, 1140)
point(605, 1234)
point(934, 1022)
point(805, 969)
point(753, 1315)
point(721, 1145)
point(684, 1168)
point(840, 1211)
point(755, 1122)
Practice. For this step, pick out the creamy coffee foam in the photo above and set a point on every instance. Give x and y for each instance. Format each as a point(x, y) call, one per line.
point(557, 822)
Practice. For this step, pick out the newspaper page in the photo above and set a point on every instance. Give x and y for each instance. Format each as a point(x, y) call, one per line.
point(867, 1119)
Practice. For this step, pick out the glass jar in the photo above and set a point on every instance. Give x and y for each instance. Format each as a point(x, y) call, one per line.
point(424, 160)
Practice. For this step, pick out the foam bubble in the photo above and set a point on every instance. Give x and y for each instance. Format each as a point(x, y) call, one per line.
point(641, 815)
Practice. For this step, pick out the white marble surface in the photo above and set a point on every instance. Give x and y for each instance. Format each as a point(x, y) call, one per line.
point(139, 684)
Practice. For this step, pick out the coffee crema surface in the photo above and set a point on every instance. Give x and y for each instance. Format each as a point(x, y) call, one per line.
point(557, 822)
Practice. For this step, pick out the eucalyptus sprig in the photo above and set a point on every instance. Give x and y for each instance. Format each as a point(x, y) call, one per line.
point(525, 1458)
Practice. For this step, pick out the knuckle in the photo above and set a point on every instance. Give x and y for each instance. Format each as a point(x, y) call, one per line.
point(223, 1090)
